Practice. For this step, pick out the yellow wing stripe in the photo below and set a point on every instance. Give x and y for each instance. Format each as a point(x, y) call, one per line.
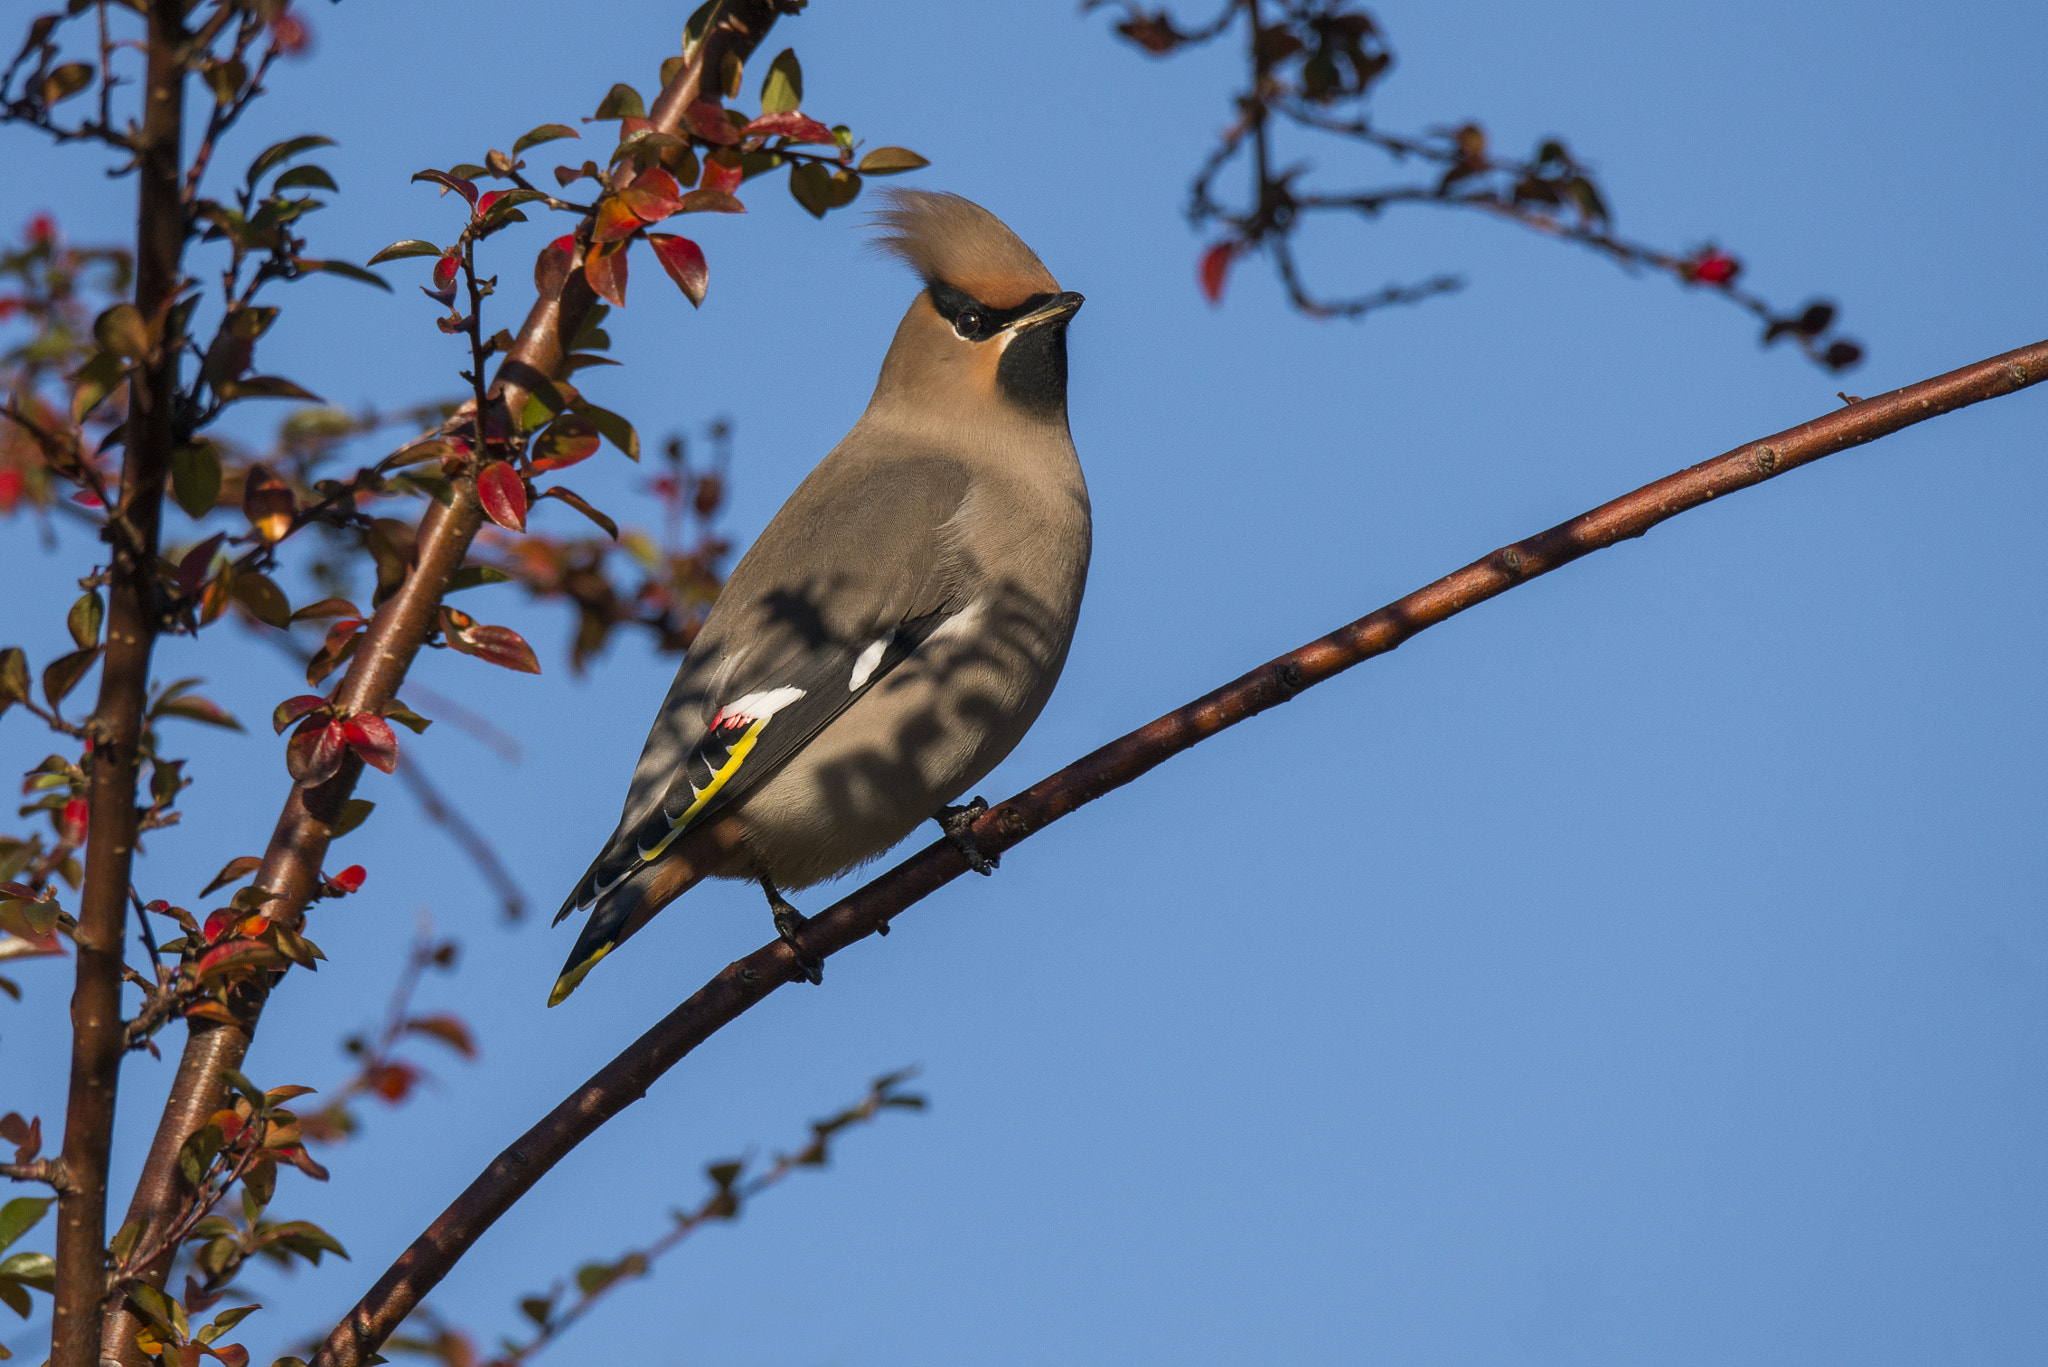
point(566, 984)
point(677, 824)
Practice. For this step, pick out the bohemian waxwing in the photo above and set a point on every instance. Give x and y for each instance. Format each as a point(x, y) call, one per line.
point(898, 625)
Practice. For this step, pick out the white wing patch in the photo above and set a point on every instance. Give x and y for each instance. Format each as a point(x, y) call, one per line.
point(869, 660)
point(759, 706)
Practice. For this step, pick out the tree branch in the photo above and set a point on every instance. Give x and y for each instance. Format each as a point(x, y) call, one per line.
point(99, 1036)
point(291, 864)
point(742, 984)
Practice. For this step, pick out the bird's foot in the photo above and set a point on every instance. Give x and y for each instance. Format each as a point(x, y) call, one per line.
point(789, 921)
point(958, 824)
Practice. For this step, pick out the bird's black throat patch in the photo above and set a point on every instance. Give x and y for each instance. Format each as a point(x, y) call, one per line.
point(1033, 371)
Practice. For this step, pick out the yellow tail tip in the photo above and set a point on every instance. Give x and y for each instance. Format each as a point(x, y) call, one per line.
point(566, 984)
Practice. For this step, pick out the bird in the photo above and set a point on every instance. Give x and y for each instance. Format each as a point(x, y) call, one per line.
point(897, 626)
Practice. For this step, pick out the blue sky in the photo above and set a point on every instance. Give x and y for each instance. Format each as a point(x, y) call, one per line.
point(1647, 966)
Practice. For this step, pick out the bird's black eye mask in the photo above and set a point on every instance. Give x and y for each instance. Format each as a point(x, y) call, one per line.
point(974, 320)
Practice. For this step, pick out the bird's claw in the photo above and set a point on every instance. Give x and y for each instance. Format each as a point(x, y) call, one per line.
point(788, 921)
point(958, 824)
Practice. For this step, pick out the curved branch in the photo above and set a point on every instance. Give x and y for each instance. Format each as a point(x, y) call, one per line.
point(869, 910)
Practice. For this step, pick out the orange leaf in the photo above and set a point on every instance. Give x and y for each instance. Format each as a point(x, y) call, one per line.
point(605, 268)
point(616, 221)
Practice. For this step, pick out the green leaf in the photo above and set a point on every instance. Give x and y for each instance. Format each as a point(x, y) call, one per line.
point(13, 677)
point(694, 26)
point(354, 813)
point(121, 330)
point(591, 336)
point(280, 152)
point(157, 1306)
point(621, 102)
point(195, 478)
point(95, 380)
point(782, 90)
point(31, 1269)
point(16, 1299)
point(347, 270)
point(197, 1153)
point(226, 1320)
point(471, 576)
point(124, 1240)
point(264, 599)
point(616, 429)
point(406, 246)
point(239, 1081)
point(85, 618)
point(547, 132)
point(62, 674)
point(305, 178)
point(887, 161)
point(20, 1215)
point(266, 387)
point(307, 1239)
point(811, 186)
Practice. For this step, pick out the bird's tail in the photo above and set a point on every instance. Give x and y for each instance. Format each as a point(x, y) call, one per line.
point(622, 909)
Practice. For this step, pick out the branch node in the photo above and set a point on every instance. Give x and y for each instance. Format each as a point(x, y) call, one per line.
point(1766, 460)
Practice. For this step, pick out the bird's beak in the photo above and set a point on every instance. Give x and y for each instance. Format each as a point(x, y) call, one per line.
point(1056, 309)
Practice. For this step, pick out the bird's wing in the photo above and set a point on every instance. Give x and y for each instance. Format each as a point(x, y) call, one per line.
point(850, 578)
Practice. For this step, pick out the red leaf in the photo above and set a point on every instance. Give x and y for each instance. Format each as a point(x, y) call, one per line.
point(605, 268)
point(503, 494)
point(77, 814)
point(327, 607)
point(504, 646)
point(444, 271)
point(349, 879)
point(196, 562)
point(486, 200)
point(372, 738)
point(720, 177)
point(708, 122)
point(315, 752)
point(792, 125)
point(684, 262)
point(338, 635)
point(458, 185)
point(291, 709)
point(1215, 267)
point(218, 923)
point(495, 645)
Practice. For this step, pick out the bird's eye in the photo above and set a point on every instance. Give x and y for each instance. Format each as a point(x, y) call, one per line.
point(970, 323)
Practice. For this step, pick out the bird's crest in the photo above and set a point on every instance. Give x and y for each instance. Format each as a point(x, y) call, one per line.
point(946, 238)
